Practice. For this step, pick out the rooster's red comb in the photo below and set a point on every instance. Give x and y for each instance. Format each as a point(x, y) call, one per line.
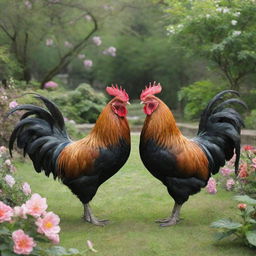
point(150, 90)
point(115, 91)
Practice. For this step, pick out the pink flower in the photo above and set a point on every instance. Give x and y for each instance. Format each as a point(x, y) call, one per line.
point(26, 188)
point(97, 40)
point(49, 224)
point(226, 171)
point(55, 238)
point(230, 184)
point(36, 205)
point(88, 64)
point(23, 244)
point(20, 211)
point(13, 104)
point(8, 162)
point(50, 84)
point(243, 170)
point(248, 147)
point(111, 51)
point(6, 212)
point(242, 207)
point(211, 186)
point(9, 180)
point(3, 149)
point(49, 42)
point(254, 163)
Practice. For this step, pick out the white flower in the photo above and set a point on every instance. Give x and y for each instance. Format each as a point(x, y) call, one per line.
point(88, 63)
point(170, 30)
point(207, 16)
point(225, 10)
point(236, 33)
point(97, 40)
point(237, 14)
point(233, 22)
point(49, 42)
point(9, 180)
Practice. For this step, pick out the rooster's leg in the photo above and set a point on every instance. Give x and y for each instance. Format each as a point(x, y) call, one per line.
point(173, 219)
point(89, 217)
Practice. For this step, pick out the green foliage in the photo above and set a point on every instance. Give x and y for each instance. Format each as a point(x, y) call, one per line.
point(196, 97)
point(244, 230)
point(250, 120)
point(8, 67)
point(221, 31)
point(82, 105)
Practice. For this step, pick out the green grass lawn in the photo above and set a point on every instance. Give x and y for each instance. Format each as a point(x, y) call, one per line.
point(132, 200)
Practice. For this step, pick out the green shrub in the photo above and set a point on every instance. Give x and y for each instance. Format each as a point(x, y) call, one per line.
point(82, 105)
point(250, 120)
point(196, 97)
point(245, 230)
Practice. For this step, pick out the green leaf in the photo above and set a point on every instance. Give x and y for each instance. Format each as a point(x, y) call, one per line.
point(251, 237)
point(226, 224)
point(221, 235)
point(7, 253)
point(245, 199)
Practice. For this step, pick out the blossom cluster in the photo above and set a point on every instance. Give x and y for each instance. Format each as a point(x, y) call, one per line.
point(23, 216)
point(244, 181)
point(50, 84)
point(46, 223)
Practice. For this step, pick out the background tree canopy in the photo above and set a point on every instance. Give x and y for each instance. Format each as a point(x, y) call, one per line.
point(177, 43)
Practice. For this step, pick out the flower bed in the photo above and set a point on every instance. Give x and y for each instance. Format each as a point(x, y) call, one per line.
point(26, 227)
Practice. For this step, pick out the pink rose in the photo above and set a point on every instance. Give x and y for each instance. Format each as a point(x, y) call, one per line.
point(23, 244)
point(230, 184)
point(242, 207)
point(49, 224)
point(211, 186)
point(20, 211)
point(26, 188)
point(36, 205)
point(6, 212)
point(226, 171)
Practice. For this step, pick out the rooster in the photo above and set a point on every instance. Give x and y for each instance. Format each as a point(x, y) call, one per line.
point(81, 165)
point(185, 165)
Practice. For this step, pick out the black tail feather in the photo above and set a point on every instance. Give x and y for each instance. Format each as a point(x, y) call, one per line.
point(41, 134)
point(219, 130)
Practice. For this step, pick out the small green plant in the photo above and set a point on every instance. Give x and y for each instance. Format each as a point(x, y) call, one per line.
point(245, 229)
point(196, 97)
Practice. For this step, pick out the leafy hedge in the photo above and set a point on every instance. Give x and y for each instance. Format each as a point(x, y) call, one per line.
point(83, 105)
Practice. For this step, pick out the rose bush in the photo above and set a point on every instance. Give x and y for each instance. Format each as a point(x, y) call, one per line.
point(25, 223)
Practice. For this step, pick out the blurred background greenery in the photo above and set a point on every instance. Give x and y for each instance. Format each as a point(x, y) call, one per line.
point(193, 48)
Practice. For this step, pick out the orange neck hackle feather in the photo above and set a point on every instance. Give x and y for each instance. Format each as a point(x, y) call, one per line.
point(161, 127)
point(78, 157)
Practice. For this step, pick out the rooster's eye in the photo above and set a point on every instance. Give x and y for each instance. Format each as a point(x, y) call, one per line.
point(151, 105)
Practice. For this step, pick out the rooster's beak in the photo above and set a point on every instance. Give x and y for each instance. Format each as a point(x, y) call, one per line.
point(142, 102)
point(128, 102)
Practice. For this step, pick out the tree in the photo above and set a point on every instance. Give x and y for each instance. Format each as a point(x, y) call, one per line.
point(64, 26)
point(222, 31)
